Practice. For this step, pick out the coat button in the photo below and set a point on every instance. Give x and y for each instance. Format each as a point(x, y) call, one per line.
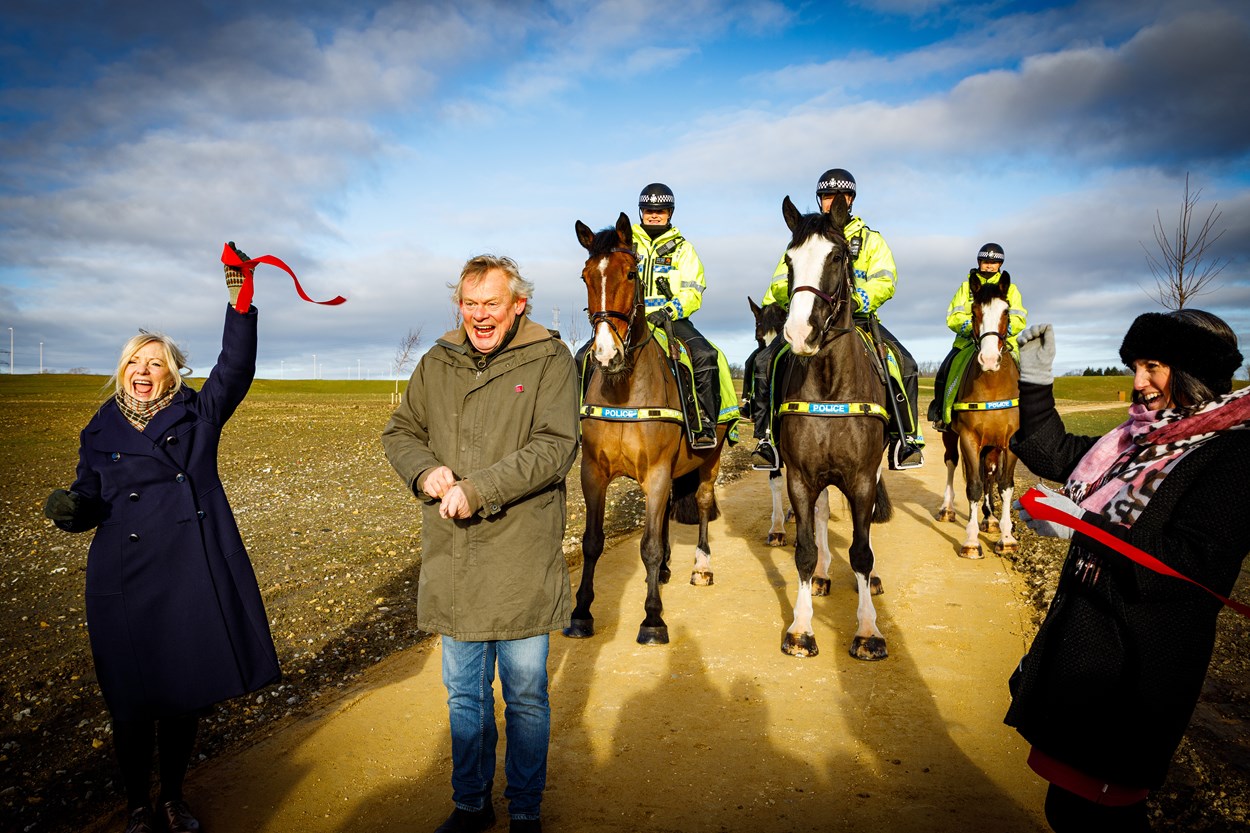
point(171, 440)
point(115, 456)
point(180, 477)
point(200, 514)
point(134, 536)
point(134, 496)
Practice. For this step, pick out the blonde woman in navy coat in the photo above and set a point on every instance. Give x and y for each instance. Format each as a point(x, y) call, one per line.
point(173, 608)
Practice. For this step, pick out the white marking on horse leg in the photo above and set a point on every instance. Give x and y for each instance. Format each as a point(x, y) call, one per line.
point(865, 612)
point(973, 530)
point(1005, 524)
point(779, 507)
point(824, 556)
point(948, 496)
point(702, 561)
point(802, 623)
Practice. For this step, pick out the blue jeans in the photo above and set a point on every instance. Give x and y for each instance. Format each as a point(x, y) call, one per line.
point(469, 675)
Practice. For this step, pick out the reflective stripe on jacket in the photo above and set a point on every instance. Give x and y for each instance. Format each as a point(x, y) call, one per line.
point(875, 272)
point(959, 314)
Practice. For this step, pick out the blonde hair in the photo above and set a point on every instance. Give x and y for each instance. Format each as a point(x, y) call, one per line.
point(477, 267)
point(175, 360)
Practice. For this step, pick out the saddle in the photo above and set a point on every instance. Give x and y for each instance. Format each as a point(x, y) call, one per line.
point(955, 380)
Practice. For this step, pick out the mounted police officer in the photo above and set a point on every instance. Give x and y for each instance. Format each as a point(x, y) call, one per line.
point(875, 279)
point(989, 269)
point(673, 285)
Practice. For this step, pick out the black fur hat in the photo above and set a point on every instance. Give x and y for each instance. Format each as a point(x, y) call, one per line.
point(1182, 345)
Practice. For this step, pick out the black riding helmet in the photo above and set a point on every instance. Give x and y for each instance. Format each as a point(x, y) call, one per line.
point(835, 181)
point(991, 252)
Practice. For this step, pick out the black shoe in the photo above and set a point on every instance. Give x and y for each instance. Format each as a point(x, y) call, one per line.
point(525, 826)
point(764, 458)
point(704, 441)
point(905, 454)
point(141, 820)
point(468, 821)
point(178, 815)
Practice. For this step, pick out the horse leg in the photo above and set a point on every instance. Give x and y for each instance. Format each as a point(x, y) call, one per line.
point(701, 576)
point(824, 556)
point(777, 532)
point(950, 441)
point(800, 639)
point(869, 642)
point(654, 548)
point(582, 624)
point(1007, 542)
point(989, 477)
point(666, 571)
point(972, 477)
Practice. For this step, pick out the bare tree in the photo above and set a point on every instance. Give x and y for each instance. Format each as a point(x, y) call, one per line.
point(405, 355)
point(1179, 270)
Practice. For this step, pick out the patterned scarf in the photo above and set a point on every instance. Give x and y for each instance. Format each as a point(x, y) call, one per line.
point(1119, 475)
point(139, 412)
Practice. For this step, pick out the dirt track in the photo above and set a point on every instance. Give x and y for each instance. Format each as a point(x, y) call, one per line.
point(718, 731)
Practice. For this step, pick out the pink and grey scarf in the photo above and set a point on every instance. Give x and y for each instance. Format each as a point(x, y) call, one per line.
point(1119, 475)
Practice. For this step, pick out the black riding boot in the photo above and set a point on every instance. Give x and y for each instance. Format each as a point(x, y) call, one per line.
point(765, 457)
point(938, 405)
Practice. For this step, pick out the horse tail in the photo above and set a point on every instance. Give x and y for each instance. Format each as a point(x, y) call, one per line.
point(882, 509)
point(684, 502)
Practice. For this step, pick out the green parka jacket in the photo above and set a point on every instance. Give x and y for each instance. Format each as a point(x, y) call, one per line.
point(506, 425)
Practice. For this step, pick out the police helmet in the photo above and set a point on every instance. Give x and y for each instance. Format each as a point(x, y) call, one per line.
point(655, 196)
point(835, 181)
point(991, 252)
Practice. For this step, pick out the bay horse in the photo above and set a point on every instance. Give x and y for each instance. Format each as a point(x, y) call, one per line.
point(632, 427)
point(985, 415)
point(832, 428)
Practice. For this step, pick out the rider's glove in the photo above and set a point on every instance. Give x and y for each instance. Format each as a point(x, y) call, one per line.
point(660, 317)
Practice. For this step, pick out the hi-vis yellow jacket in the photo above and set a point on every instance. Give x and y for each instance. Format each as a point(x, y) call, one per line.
point(875, 272)
point(959, 313)
point(672, 258)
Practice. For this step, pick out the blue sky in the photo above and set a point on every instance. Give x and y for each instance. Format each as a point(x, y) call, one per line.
point(376, 149)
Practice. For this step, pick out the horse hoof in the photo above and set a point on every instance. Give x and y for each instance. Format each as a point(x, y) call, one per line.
point(869, 648)
point(701, 578)
point(648, 635)
point(1003, 549)
point(800, 645)
point(874, 585)
point(820, 586)
point(971, 552)
point(580, 629)
point(947, 515)
point(990, 525)
point(776, 539)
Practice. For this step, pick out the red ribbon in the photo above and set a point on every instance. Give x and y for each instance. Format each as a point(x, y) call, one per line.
point(1030, 500)
point(229, 258)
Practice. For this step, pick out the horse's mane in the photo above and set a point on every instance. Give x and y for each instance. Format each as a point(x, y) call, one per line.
point(810, 225)
point(987, 292)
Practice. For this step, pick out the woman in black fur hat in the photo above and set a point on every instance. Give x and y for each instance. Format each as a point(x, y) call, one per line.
point(1108, 686)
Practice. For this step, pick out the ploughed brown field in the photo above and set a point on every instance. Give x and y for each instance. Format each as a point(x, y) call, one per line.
point(335, 541)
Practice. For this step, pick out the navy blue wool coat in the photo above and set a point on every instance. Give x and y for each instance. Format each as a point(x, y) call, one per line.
point(173, 608)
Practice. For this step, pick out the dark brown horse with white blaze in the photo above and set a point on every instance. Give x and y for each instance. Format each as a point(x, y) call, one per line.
point(985, 415)
point(833, 372)
point(632, 377)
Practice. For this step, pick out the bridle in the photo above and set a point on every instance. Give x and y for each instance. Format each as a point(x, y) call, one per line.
point(835, 304)
point(606, 315)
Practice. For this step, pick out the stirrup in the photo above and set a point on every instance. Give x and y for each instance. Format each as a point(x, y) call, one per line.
point(905, 455)
point(703, 442)
point(770, 457)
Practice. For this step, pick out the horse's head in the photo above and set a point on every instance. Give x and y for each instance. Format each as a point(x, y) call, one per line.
point(768, 321)
point(613, 298)
point(819, 275)
point(989, 319)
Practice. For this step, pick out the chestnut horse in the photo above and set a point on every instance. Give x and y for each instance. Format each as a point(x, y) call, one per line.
point(985, 415)
point(832, 427)
point(632, 427)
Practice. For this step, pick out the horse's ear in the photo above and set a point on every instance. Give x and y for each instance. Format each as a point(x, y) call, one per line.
point(974, 283)
point(791, 213)
point(1004, 280)
point(584, 235)
point(756, 309)
point(839, 212)
point(624, 230)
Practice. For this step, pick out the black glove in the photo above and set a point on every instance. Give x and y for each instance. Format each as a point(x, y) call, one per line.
point(234, 275)
point(62, 506)
point(660, 317)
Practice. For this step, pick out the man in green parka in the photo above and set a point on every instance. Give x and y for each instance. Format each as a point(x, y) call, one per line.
point(484, 436)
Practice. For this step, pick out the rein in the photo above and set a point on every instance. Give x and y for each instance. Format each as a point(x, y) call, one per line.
point(836, 304)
